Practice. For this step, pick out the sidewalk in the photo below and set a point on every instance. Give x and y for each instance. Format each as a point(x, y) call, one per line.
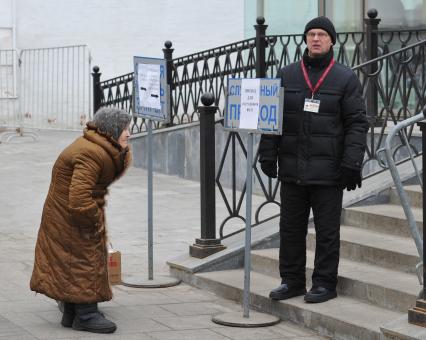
point(180, 312)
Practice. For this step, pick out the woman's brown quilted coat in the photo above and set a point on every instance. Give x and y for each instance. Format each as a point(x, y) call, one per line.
point(71, 254)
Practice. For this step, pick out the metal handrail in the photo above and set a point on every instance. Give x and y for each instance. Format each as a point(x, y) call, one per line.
point(399, 128)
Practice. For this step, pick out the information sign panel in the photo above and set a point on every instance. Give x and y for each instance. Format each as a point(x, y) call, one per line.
point(254, 105)
point(152, 99)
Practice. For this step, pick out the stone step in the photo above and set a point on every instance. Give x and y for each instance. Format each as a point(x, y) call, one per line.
point(384, 250)
point(414, 193)
point(385, 218)
point(382, 287)
point(341, 318)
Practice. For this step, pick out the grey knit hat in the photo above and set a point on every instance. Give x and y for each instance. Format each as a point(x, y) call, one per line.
point(322, 23)
point(111, 121)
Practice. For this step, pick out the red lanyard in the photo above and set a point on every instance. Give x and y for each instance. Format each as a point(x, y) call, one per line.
point(320, 81)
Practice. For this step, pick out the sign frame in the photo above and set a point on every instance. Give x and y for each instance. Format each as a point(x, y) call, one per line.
point(278, 100)
point(139, 110)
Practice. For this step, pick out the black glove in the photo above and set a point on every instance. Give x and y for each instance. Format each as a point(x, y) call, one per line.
point(269, 168)
point(350, 178)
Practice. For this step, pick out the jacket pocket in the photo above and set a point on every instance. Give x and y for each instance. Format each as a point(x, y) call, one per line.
point(293, 99)
point(293, 105)
point(330, 102)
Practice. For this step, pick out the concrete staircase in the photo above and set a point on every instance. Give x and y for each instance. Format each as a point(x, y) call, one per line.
point(377, 280)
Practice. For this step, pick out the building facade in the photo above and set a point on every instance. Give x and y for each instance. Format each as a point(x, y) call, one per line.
point(290, 17)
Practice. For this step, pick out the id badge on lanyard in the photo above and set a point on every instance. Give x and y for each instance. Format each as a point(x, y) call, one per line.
point(311, 104)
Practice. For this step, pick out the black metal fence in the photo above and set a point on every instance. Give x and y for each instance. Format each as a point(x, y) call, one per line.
point(393, 81)
point(399, 79)
point(264, 55)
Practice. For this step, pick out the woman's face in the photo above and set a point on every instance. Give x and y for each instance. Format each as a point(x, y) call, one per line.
point(123, 140)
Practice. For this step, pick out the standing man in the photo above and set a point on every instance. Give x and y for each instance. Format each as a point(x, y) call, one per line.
point(319, 154)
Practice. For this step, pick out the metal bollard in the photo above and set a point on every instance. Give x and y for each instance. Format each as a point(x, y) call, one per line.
point(371, 51)
point(168, 56)
point(97, 92)
point(207, 244)
point(260, 47)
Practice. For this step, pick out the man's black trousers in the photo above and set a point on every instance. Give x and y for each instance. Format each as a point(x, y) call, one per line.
point(326, 204)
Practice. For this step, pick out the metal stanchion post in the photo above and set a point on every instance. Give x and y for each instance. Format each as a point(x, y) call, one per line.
point(247, 248)
point(139, 281)
point(150, 206)
point(151, 80)
point(256, 319)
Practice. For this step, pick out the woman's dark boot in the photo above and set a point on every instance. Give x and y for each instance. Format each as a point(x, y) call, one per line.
point(89, 319)
point(69, 313)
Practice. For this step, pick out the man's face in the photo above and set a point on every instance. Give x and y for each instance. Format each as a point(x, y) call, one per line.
point(318, 41)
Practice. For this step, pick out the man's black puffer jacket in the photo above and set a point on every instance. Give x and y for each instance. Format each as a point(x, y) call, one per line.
point(314, 146)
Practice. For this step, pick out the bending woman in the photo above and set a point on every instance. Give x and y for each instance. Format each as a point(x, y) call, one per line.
point(71, 251)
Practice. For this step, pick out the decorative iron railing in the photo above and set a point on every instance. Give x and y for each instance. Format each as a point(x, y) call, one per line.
point(207, 71)
point(391, 40)
point(393, 86)
point(285, 49)
point(400, 81)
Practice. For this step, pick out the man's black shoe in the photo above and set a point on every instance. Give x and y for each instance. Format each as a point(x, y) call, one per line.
point(285, 291)
point(320, 294)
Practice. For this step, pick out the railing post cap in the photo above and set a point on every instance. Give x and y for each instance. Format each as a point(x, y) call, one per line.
point(372, 13)
point(95, 69)
point(207, 99)
point(260, 20)
point(168, 44)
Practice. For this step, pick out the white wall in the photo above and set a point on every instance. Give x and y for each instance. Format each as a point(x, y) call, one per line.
point(6, 23)
point(117, 30)
point(6, 13)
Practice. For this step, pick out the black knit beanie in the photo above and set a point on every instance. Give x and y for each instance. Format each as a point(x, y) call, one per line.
point(323, 23)
point(111, 121)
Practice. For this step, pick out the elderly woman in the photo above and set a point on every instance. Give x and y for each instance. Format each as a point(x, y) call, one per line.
point(71, 252)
